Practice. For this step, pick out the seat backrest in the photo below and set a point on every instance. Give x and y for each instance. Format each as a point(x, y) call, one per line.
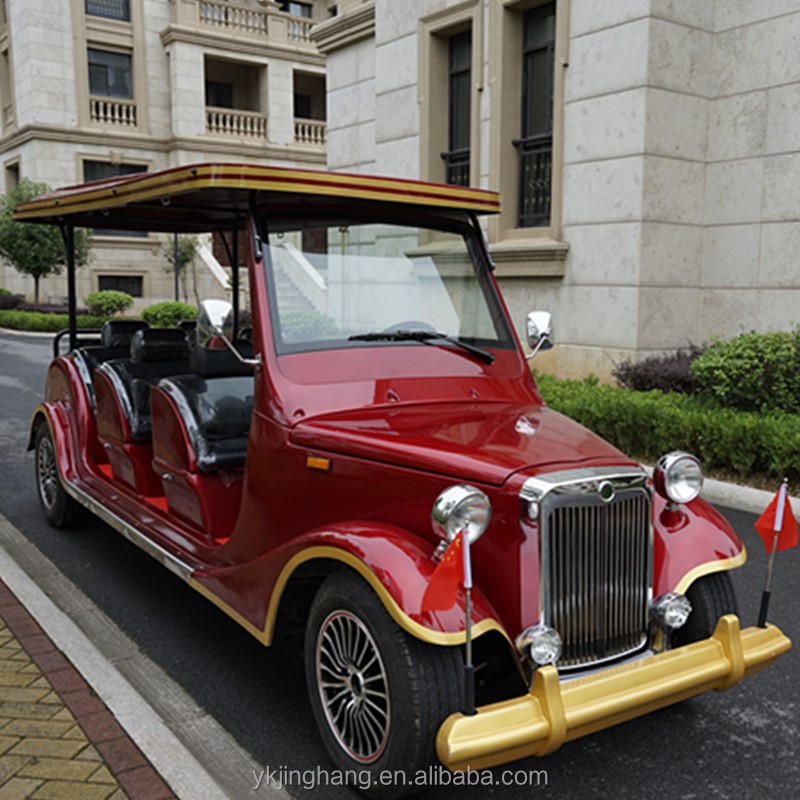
point(155, 353)
point(115, 342)
point(216, 414)
point(212, 363)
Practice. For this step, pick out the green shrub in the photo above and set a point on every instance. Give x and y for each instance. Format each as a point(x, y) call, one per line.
point(649, 424)
point(303, 325)
point(108, 302)
point(4, 291)
point(168, 314)
point(46, 323)
point(752, 372)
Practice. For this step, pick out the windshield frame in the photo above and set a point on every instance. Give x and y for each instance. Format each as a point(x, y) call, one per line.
point(464, 224)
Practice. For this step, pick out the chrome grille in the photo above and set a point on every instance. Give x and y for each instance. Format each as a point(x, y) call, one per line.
point(596, 570)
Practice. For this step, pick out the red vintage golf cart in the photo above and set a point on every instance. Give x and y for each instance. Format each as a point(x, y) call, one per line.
point(378, 405)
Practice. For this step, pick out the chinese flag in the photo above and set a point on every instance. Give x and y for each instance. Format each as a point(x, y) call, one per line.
point(778, 517)
point(447, 577)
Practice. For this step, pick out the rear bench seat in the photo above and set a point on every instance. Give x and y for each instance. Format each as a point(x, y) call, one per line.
point(115, 342)
point(201, 423)
point(122, 391)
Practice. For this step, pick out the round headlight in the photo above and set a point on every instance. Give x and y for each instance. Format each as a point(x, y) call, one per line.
point(678, 477)
point(541, 644)
point(461, 508)
point(671, 610)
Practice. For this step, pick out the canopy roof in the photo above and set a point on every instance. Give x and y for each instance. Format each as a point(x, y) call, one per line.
point(202, 197)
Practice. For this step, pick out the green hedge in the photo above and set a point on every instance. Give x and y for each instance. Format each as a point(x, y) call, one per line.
point(46, 323)
point(648, 424)
point(168, 314)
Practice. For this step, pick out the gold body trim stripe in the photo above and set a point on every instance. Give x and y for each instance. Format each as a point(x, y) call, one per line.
point(722, 565)
point(337, 554)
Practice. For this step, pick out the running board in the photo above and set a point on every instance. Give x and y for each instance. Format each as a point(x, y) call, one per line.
point(134, 536)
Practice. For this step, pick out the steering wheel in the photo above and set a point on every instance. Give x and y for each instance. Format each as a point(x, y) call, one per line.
point(410, 325)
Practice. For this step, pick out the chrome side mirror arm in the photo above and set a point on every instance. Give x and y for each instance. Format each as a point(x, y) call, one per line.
point(540, 332)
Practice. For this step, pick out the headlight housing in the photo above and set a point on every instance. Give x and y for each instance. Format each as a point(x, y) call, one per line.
point(542, 645)
point(678, 477)
point(461, 507)
point(671, 610)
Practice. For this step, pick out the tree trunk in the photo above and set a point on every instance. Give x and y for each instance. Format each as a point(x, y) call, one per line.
point(36, 289)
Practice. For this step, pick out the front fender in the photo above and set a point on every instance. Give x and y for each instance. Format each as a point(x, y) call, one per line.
point(690, 542)
point(397, 564)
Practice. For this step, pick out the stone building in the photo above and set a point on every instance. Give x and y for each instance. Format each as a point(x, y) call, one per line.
point(647, 151)
point(94, 88)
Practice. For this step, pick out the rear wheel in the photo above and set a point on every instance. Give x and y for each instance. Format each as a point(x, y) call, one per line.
point(378, 695)
point(711, 596)
point(60, 510)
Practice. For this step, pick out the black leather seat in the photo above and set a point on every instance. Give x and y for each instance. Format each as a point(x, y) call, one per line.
point(215, 404)
point(154, 354)
point(115, 342)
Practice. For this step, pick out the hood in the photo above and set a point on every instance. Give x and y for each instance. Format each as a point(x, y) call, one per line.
point(483, 442)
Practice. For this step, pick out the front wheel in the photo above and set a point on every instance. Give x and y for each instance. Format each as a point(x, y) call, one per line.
point(60, 510)
point(378, 695)
point(711, 596)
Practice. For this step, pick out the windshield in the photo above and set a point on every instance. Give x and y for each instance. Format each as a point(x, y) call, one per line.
point(345, 283)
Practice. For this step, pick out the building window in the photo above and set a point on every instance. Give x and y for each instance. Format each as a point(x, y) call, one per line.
point(219, 94)
point(111, 9)
point(535, 144)
point(459, 115)
point(130, 284)
point(110, 74)
point(102, 170)
point(297, 9)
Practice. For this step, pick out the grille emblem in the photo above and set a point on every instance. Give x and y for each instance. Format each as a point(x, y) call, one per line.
point(606, 491)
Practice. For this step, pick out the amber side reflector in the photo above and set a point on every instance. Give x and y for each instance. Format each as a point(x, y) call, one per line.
point(314, 462)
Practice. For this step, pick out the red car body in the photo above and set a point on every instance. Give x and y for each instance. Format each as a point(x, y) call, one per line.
point(347, 448)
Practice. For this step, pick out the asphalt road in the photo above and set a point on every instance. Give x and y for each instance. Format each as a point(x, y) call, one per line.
point(739, 744)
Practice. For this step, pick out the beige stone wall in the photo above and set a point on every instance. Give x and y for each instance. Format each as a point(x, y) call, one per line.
point(676, 152)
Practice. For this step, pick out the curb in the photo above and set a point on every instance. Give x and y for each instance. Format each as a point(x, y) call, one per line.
point(32, 334)
point(190, 750)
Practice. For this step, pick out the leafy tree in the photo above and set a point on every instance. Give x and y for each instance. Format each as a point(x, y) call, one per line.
point(187, 252)
point(35, 250)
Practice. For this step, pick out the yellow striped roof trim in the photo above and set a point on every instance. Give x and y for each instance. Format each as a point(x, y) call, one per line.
point(143, 187)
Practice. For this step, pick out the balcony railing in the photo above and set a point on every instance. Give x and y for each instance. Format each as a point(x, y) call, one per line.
point(457, 167)
point(535, 176)
point(298, 29)
point(244, 20)
point(112, 111)
point(233, 18)
point(310, 131)
point(233, 122)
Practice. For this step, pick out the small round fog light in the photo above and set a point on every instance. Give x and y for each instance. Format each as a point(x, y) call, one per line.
point(541, 644)
point(671, 610)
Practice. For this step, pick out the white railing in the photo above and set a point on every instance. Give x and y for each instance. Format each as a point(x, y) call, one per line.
point(110, 111)
point(298, 30)
point(232, 122)
point(310, 131)
point(233, 17)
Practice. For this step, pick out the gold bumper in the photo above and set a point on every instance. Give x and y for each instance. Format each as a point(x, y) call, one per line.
point(554, 713)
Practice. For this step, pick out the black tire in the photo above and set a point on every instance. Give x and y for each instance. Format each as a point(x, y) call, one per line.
point(711, 596)
point(346, 627)
point(59, 509)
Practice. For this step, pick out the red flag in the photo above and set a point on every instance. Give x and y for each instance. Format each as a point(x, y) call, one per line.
point(442, 590)
point(786, 525)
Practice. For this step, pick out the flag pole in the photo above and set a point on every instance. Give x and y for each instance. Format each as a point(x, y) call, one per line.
point(469, 667)
point(765, 595)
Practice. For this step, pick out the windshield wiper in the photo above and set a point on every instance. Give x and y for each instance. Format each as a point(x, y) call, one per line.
point(426, 337)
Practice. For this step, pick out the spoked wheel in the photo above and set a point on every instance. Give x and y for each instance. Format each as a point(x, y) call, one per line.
point(60, 510)
point(353, 685)
point(378, 694)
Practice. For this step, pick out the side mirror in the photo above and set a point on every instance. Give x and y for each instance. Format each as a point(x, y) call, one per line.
point(215, 321)
point(540, 332)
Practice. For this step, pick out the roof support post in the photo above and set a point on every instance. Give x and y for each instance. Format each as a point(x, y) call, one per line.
point(235, 281)
point(68, 233)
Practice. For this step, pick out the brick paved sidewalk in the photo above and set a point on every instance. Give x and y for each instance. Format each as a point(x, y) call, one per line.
point(58, 740)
